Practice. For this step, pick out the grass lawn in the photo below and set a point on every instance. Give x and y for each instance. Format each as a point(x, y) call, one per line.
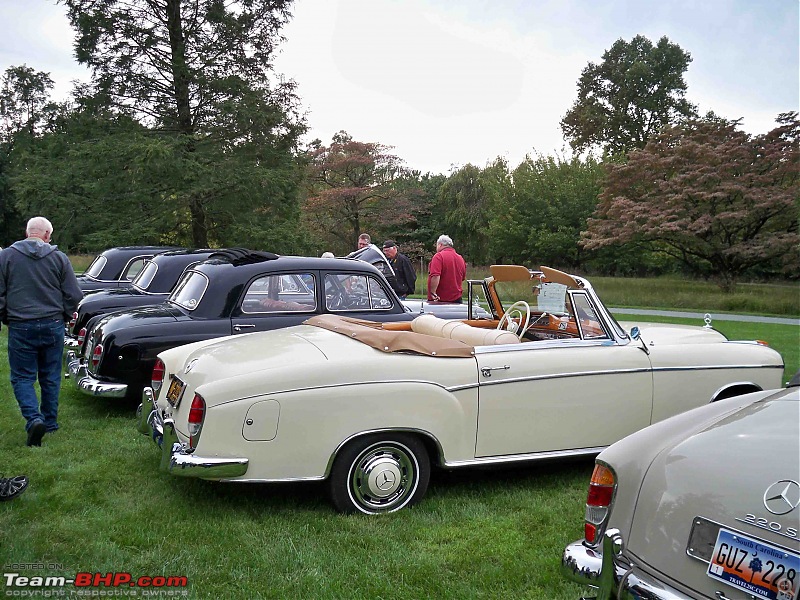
point(97, 503)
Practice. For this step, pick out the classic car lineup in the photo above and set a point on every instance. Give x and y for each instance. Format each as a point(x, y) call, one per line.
point(236, 291)
point(117, 267)
point(151, 286)
point(701, 505)
point(370, 407)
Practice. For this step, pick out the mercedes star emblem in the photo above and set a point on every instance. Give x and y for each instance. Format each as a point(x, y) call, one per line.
point(782, 497)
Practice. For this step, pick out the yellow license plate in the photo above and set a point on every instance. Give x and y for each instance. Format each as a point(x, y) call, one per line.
point(175, 391)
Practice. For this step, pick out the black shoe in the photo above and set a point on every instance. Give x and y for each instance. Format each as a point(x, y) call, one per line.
point(36, 433)
point(12, 487)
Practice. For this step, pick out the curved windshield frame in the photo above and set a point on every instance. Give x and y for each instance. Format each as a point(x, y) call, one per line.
point(97, 266)
point(190, 290)
point(145, 276)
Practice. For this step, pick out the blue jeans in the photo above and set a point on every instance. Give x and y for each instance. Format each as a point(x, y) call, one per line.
point(34, 350)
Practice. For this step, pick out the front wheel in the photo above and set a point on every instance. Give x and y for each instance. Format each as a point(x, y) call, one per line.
point(380, 473)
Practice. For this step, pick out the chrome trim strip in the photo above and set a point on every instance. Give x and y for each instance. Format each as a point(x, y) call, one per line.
point(716, 367)
point(532, 456)
point(543, 345)
point(563, 376)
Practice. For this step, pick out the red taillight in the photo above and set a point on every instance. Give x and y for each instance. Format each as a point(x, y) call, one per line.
point(97, 354)
point(72, 321)
point(197, 413)
point(81, 337)
point(157, 378)
point(598, 502)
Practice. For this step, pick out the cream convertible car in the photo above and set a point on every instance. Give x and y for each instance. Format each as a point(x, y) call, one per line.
point(370, 406)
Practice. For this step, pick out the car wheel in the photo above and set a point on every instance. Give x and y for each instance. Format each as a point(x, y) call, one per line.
point(380, 474)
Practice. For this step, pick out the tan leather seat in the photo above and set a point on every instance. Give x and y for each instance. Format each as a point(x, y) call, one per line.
point(456, 330)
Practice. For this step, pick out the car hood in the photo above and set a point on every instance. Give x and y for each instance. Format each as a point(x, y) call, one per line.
point(669, 334)
point(304, 356)
point(720, 473)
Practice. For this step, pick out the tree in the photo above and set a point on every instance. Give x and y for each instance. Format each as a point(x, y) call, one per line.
point(636, 91)
point(713, 197)
point(198, 76)
point(352, 190)
point(23, 99)
point(538, 218)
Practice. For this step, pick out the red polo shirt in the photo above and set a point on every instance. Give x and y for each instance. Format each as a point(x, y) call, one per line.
point(452, 270)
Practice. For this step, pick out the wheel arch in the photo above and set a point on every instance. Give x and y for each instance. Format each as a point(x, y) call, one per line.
point(431, 443)
point(737, 388)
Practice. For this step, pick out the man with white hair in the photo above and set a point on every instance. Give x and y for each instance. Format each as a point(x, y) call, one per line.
point(447, 272)
point(38, 292)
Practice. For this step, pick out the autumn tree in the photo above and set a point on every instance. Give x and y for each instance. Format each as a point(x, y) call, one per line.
point(633, 93)
point(717, 199)
point(351, 191)
point(222, 128)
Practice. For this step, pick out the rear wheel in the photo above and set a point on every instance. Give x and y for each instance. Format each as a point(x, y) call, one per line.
point(380, 473)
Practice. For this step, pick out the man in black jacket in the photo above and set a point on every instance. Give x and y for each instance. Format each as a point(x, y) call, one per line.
point(405, 278)
point(38, 292)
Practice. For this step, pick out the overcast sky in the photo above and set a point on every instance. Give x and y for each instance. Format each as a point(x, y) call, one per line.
point(447, 82)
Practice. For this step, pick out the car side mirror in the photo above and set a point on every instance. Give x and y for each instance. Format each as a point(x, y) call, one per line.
point(635, 333)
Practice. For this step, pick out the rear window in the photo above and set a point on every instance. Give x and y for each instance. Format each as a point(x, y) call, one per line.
point(189, 291)
point(97, 266)
point(146, 275)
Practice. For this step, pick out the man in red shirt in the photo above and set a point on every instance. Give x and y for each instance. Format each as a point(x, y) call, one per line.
point(447, 271)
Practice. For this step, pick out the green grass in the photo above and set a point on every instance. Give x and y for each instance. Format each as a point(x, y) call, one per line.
point(98, 503)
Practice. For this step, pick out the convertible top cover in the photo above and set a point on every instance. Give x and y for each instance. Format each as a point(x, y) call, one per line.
point(372, 334)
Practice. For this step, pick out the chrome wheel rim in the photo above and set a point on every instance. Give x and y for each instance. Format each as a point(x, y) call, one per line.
point(383, 478)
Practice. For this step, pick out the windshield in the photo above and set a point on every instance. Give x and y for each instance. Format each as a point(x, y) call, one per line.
point(190, 290)
point(541, 297)
point(145, 276)
point(96, 267)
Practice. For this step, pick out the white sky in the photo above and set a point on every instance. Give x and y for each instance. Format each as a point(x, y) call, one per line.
point(447, 82)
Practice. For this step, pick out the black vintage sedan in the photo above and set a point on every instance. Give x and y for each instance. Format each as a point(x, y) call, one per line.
point(117, 267)
point(151, 286)
point(234, 292)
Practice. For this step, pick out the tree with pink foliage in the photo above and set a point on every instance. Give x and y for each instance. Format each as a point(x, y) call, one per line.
point(719, 200)
point(351, 190)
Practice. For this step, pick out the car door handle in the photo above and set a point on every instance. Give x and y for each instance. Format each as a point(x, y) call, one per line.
point(487, 371)
point(241, 327)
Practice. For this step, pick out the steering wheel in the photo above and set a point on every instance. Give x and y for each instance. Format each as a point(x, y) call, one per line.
point(515, 311)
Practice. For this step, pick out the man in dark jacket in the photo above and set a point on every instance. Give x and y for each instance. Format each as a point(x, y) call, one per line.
point(38, 292)
point(405, 278)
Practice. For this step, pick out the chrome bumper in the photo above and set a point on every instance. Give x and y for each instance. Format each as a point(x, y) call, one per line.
point(70, 342)
point(79, 374)
point(175, 458)
point(611, 574)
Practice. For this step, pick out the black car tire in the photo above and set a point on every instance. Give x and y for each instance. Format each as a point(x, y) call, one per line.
point(380, 473)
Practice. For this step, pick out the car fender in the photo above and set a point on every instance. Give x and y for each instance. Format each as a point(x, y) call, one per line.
point(314, 424)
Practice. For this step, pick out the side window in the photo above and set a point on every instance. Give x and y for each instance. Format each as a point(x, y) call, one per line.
point(378, 298)
point(591, 327)
point(280, 293)
point(134, 267)
point(355, 292)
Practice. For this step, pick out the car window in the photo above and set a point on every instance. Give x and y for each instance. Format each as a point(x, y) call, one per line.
point(96, 267)
point(541, 297)
point(287, 292)
point(146, 275)
point(133, 268)
point(345, 292)
point(190, 289)
point(591, 327)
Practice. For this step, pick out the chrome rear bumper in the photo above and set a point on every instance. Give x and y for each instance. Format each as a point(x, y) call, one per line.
point(84, 382)
point(175, 457)
point(611, 574)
